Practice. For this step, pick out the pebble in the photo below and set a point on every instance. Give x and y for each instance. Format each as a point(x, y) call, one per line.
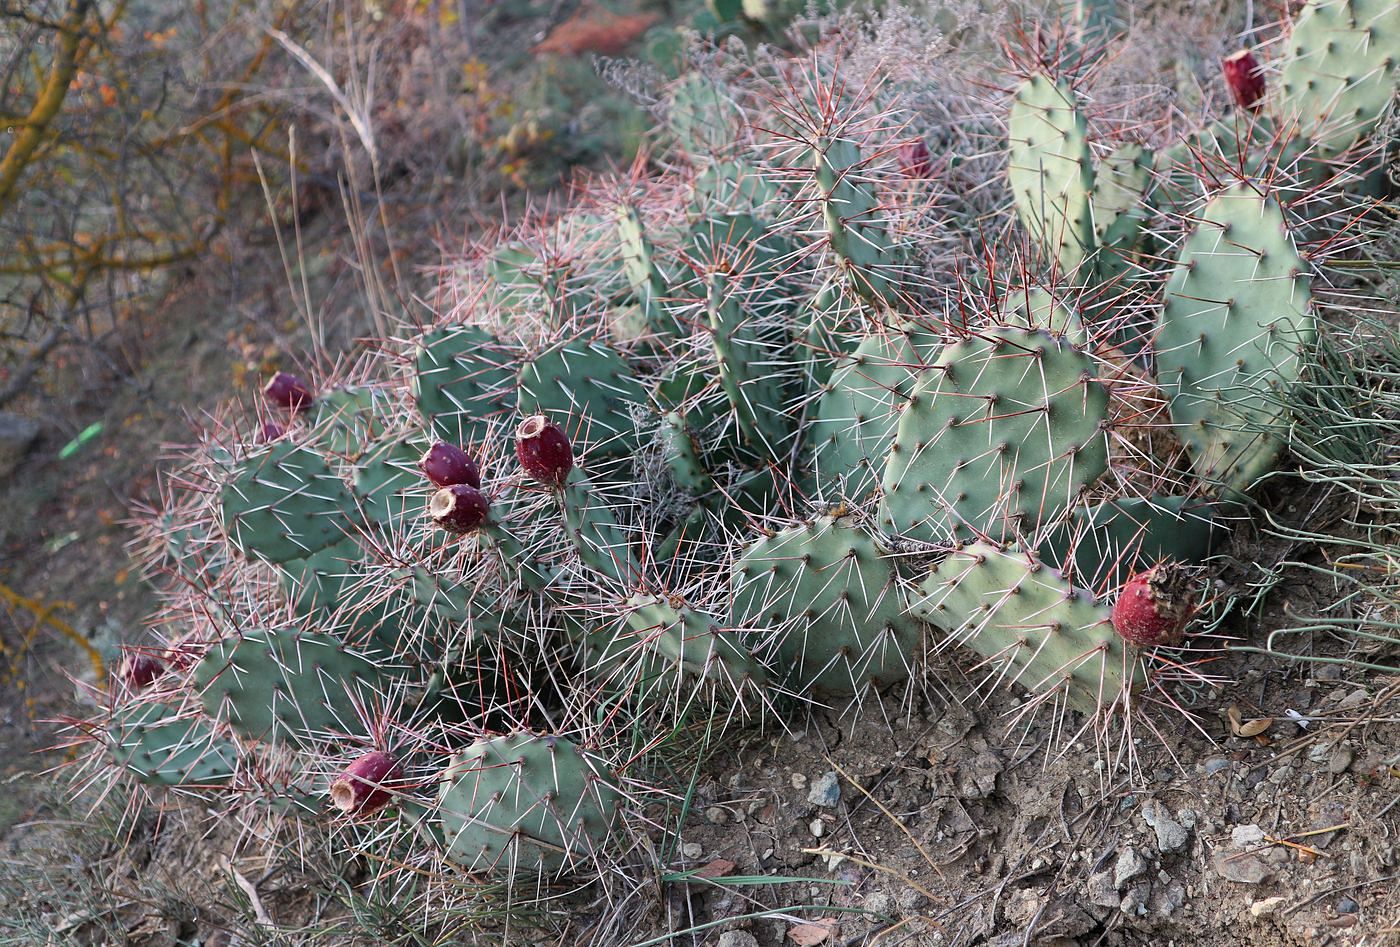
point(692, 849)
point(825, 791)
point(880, 903)
point(1265, 907)
point(1246, 835)
point(799, 780)
point(1215, 764)
point(1244, 869)
point(737, 939)
point(1171, 834)
point(1130, 865)
point(817, 828)
point(717, 815)
point(1347, 906)
point(1134, 903)
point(1101, 890)
point(1340, 760)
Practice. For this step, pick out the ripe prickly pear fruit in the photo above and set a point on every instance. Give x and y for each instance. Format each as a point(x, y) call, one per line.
point(544, 450)
point(459, 508)
point(915, 160)
point(288, 391)
point(139, 670)
point(1154, 606)
point(447, 465)
point(270, 431)
point(1246, 81)
point(359, 790)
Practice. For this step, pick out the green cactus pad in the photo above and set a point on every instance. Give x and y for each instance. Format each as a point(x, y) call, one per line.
point(1037, 308)
point(348, 420)
point(829, 601)
point(1341, 71)
point(1033, 627)
point(704, 120)
point(162, 747)
point(1104, 545)
point(860, 234)
point(681, 455)
point(464, 381)
point(1233, 327)
point(751, 371)
point(285, 503)
point(526, 806)
point(662, 643)
point(1052, 171)
point(593, 529)
point(590, 391)
point(382, 479)
point(524, 280)
point(1005, 433)
point(651, 286)
point(287, 685)
point(856, 417)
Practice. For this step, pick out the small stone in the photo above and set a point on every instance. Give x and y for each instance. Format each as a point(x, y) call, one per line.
point(1101, 890)
point(799, 780)
point(1215, 764)
point(737, 939)
point(817, 828)
point(717, 815)
point(880, 903)
point(825, 791)
point(1347, 906)
point(1130, 865)
point(1340, 760)
point(692, 849)
point(1171, 834)
point(1266, 906)
point(1167, 899)
point(1134, 903)
point(910, 900)
point(1244, 869)
point(1244, 836)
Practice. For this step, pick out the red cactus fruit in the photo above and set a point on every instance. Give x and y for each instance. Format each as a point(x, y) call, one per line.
point(270, 431)
point(459, 508)
point(139, 670)
point(1246, 81)
point(360, 788)
point(544, 450)
point(1154, 606)
point(447, 465)
point(915, 160)
point(288, 391)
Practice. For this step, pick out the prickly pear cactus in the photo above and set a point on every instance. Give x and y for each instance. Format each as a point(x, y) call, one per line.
point(1052, 171)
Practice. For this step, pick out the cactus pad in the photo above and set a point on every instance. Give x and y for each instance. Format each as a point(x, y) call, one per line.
point(1032, 627)
point(162, 747)
point(284, 504)
point(1004, 433)
point(286, 685)
point(1052, 171)
point(589, 390)
point(829, 601)
point(1233, 327)
point(464, 380)
point(526, 805)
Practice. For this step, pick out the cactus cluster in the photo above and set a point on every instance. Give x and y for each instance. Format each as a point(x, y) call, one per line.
point(714, 444)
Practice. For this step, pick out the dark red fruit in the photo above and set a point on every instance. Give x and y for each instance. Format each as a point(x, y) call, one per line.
point(139, 670)
point(459, 508)
point(915, 160)
point(270, 431)
point(1154, 606)
point(544, 450)
point(447, 465)
point(1246, 81)
point(360, 788)
point(288, 391)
